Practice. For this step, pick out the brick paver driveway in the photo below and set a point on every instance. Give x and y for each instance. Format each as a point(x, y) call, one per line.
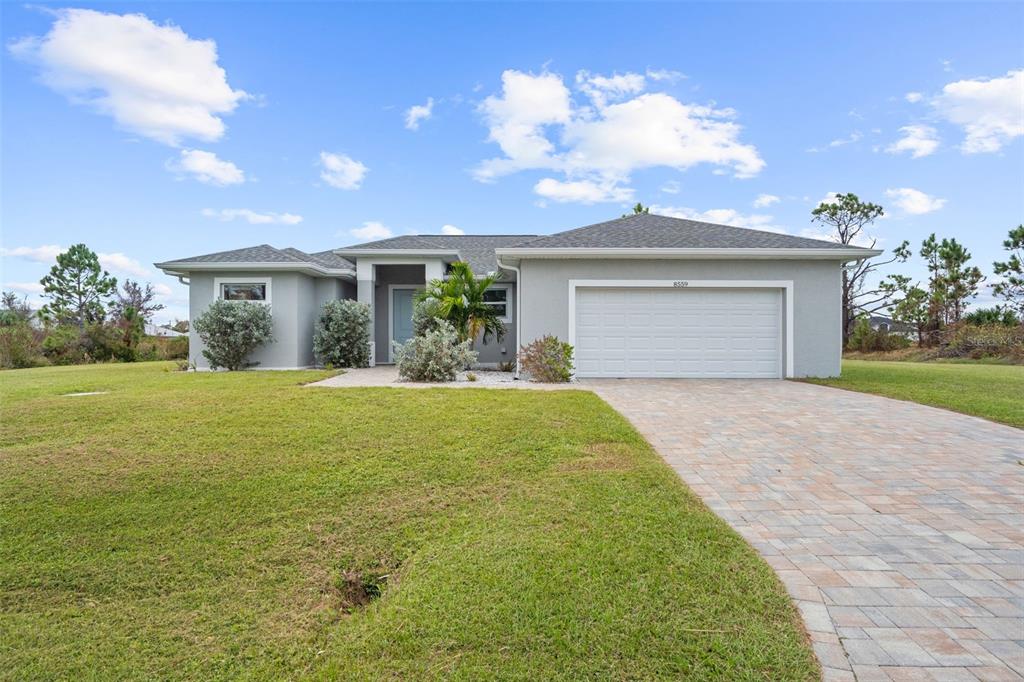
point(897, 528)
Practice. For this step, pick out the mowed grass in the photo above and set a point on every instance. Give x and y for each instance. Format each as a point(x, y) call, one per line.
point(211, 526)
point(994, 392)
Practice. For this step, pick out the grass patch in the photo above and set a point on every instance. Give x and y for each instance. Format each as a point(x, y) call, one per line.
point(212, 526)
point(990, 391)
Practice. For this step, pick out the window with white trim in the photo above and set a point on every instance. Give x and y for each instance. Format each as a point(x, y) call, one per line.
point(500, 299)
point(252, 289)
point(232, 291)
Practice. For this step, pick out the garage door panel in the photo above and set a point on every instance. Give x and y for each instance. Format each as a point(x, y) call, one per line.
point(665, 332)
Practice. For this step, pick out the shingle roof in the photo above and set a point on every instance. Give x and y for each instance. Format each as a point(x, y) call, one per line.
point(477, 250)
point(649, 231)
point(265, 253)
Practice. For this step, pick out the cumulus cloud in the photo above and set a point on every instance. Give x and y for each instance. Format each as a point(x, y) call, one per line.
point(913, 97)
point(582, 191)
point(40, 254)
point(666, 75)
point(764, 200)
point(207, 168)
point(152, 79)
point(24, 287)
point(914, 201)
point(341, 171)
point(118, 262)
point(115, 262)
point(372, 230)
point(596, 145)
point(417, 113)
point(253, 217)
point(721, 216)
point(990, 110)
point(917, 140)
point(451, 230)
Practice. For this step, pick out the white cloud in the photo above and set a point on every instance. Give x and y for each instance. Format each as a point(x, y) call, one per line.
point(721, 216)
point(417, 113)
point(914, 201)
point(670, 187)
point(23, 287)
point(839, 142)
point(451, 230)
point(829, 198)
point(582, 191)
point(919, 140)
point(666, 75)
point(990, 111)
point(604, 89)
point(341, 171)
point(764, 200)
point(207, 168)
point(115, 262)
point(120, 263)
point(372, 230)
point(40, 254)
point(597, 146)
point(913, 97)
point(163, 290)
point(254, 218)
point(153, 79)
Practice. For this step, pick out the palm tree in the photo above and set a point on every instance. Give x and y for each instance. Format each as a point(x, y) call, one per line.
point(460, 300)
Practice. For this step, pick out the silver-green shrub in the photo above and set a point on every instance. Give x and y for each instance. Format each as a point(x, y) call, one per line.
point(342, 336)
point(436, 356)
point(232, 330)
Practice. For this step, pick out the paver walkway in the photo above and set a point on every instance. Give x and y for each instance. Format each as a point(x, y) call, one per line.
point(897, 528)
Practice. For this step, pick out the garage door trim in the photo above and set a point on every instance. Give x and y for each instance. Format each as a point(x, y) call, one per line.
point(785, 285)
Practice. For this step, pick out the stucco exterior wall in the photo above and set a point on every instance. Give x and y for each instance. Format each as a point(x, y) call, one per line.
point(295, 301)
point(816, 297)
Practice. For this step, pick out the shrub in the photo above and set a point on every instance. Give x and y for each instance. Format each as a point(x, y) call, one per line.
point(425, 315)
point(438, 355)
point(867, 340)
point(997, 315)
point(63, 346)
point(21, 346)
point(978, 341)
point(547, 360)
point(105, 342)
point(342, 336)
point(232, 330)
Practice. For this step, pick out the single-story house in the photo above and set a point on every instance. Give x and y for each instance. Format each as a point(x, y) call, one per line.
point(641, 296)
point(881, 323)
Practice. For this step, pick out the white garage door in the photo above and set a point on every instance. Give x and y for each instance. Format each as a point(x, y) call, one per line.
point(632, 332)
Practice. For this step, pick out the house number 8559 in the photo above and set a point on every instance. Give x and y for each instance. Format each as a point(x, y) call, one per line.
point(681, 283)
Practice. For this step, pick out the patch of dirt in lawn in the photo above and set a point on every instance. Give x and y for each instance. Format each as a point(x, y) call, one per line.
point(602, 457)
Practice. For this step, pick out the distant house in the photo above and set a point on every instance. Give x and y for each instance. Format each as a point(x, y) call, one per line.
point(153, 330)
point(882, 323)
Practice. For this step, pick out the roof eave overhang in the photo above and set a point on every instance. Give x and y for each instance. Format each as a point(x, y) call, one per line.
point(696, 254)
point(397, 253)
point(177, 268)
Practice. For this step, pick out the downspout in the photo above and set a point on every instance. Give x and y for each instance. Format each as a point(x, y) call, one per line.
point(181, 278)
point(519, 307)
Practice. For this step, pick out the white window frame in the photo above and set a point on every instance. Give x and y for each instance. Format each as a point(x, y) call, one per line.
point(507, 318)
point(218, 283)
point(785, 285)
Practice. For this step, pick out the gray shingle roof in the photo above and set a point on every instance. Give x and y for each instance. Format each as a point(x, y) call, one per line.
point(649, 231)
point(265, 253)
point(477, 250)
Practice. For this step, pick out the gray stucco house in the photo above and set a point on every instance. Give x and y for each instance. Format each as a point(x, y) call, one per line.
point(640, 296)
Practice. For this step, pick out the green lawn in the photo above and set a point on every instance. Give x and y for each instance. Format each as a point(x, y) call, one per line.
point(994, 392)
point(222, 525)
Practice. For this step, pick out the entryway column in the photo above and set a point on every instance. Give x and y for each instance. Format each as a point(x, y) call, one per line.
point(365, 280)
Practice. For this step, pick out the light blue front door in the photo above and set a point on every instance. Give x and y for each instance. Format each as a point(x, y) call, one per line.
point(401, 314)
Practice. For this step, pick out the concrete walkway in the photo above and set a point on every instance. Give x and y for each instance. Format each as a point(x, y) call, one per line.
point(897, 528)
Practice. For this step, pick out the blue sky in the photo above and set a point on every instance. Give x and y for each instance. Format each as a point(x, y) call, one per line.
point(196, 127)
